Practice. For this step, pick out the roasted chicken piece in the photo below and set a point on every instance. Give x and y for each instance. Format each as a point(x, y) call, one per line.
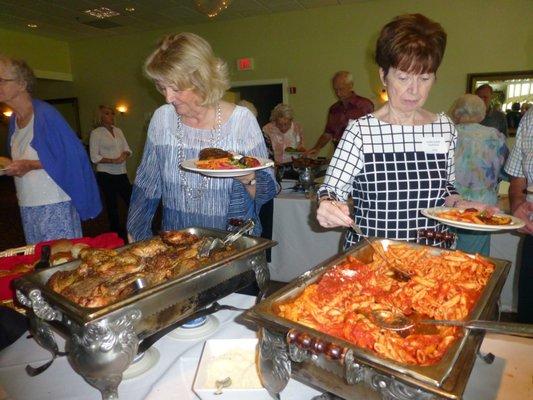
point(106, 276)
point(177, 238)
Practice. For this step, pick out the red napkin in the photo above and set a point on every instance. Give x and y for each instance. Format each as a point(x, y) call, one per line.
point(108, 240)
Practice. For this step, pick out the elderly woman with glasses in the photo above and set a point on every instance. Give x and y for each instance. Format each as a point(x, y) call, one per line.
point(193, 81)
point(479, 158)
point(53, 177)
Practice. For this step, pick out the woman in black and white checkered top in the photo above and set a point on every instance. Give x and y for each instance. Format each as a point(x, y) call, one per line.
point(400, 159)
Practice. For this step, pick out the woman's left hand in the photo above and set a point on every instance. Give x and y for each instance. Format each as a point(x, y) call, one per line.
point(246, 179)
point(22, 167)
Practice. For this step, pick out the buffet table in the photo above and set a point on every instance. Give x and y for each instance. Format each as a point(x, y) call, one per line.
point(303, 243)
point(172, 377)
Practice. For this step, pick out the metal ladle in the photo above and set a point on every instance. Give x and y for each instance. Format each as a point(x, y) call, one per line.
point(398, 322)
point(399, 274)
point(221, 384)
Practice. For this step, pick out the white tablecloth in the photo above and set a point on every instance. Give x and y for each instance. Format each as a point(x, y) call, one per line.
point(509, 377)
point(303, 244)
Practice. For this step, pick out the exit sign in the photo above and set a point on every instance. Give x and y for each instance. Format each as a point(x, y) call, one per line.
point(245, 64)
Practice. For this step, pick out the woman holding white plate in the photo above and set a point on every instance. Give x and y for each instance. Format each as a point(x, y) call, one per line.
point(399, 160)
point(193, 81)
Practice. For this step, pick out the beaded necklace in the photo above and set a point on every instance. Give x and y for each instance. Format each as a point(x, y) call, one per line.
point(197, 193)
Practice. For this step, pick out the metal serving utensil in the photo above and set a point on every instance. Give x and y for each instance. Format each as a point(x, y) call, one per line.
point(221, 384)
point(398, 273)
point(398, 322)
point(211, 243)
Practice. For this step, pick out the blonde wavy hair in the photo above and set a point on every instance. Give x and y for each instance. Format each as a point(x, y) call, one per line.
point(186, 61)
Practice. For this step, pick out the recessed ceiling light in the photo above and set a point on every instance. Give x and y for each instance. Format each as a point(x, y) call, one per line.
point(130, 9)
point(102, 12)
point(33, 26)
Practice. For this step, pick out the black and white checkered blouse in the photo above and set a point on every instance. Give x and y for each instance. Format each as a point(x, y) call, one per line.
point(393, 172)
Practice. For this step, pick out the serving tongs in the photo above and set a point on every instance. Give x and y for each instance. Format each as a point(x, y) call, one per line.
point(399, 274)
point(212, 243)
point(396, 321)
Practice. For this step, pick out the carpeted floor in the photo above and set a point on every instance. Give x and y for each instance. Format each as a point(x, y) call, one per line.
point(11, 228)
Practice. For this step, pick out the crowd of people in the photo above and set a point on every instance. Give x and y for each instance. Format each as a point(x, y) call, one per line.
point(392, 162)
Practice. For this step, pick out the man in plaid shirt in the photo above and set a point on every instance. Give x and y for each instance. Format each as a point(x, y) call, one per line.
point(520, 167)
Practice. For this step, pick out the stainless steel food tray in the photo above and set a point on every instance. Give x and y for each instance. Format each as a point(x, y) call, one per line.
point(445, 379)
point(103, 341)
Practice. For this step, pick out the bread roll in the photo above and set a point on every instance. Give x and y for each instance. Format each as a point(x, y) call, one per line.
point(61, 246)
point(76, 248)
point(60, 258)
point(4, 162)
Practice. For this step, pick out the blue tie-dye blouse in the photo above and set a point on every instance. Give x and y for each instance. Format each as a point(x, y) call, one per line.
point(479, 157)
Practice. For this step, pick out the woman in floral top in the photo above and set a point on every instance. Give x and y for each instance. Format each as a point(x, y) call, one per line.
point(479, 158)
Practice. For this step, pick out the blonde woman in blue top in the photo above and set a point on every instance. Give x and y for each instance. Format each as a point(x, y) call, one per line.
point(193, 81)
point(479, 158)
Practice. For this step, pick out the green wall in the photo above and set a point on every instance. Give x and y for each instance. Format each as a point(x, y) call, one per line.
point(49, 58)
point(305, 47)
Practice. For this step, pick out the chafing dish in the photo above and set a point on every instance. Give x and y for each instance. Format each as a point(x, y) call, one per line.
point(102, 342)
point(289, 348)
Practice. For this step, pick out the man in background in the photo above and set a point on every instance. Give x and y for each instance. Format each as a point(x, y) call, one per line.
point(349, 106)
point(520, 166)
point(494, 118)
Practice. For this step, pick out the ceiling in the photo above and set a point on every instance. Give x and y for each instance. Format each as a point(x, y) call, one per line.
point(65, 19)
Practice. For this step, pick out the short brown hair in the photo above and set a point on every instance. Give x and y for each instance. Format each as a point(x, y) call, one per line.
point(187, 61)
point(411, 43)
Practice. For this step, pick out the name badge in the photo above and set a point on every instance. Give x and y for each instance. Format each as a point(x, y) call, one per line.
point(435, 145)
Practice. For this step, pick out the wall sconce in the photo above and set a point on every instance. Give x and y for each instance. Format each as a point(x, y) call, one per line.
point(7, 113)
point(121, 108)
point(383, 95)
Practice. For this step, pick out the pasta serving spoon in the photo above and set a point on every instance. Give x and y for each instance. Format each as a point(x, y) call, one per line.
point(396, 321)
point(399, 274)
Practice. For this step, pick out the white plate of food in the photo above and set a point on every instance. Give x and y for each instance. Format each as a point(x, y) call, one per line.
point(227, 171)
point(473, 219)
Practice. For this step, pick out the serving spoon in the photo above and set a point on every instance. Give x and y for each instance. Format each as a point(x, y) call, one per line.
point(396, 321)
point(399, 274)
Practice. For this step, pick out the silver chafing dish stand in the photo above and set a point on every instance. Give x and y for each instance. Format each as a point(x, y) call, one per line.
point(290, 349)
point(102, 342)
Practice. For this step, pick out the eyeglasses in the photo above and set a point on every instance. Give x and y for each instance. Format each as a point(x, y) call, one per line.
point(3, 80)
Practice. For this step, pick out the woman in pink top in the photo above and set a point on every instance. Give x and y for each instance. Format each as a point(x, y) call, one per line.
point(284, 133)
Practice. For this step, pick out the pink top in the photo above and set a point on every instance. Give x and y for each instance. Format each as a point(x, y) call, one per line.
point(292, 138)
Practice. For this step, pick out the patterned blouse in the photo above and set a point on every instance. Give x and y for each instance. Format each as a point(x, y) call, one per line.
point(520, 162)
point(392, 173)
point(280, 141)
point(479, 158)
point(191, 199)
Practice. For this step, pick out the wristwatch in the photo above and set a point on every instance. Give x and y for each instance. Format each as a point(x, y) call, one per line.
point(252, 182)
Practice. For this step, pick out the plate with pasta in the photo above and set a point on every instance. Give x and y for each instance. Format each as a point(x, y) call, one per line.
point(227, 167)
point(473, 219)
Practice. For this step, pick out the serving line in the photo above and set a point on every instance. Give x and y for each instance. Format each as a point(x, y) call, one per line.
point(509, 376)
point(303, 243)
